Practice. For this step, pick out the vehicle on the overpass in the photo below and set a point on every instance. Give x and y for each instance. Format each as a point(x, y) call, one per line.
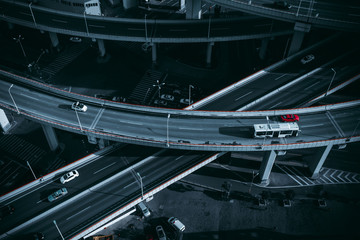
point(284, 5)
point(290, 118)
point(307, 59)
point(58, 194)
point(78, 106)
point(278, 130)
point(69, 176)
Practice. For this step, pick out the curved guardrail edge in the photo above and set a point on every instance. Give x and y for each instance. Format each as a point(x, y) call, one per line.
point(174, 112)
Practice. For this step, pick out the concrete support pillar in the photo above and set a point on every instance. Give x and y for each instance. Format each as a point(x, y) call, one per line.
point(153, 52)
point(10, 26)
point(54, 39)
point(298, 37)
point(103, 143)
point(263, 48)
point(316, 164)
point(266, 166)
point(182, 4)
point(4, 122)
point(51, 137)
point(193, 9)
point(208, 53)
point(127, 4)
point(101, 46)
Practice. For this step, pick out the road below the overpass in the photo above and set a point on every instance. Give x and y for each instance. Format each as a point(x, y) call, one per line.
point(167, 164)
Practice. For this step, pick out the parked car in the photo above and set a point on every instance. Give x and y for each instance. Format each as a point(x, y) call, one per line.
point(160, 232)
point(167, 97)
point(290, 118)
point(307, 59)
point(75, 39)
point(58, 194)
point(6, 211)
point(160, 102)
point(69, 176)
point(186, 101)
point(176, 224)
point(282, 5)
point(144, 210)
point(78, 106)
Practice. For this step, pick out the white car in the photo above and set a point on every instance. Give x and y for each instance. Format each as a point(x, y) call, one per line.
point(78, 106)
point(160, 102)
point(167, 97)
point(69, 176)
point(176, 224)
point(75, 39)
point(307, 59)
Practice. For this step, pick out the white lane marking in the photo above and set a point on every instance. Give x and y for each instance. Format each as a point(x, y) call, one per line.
point(331, 175)
point(61, 21)
point(185, 128)
point(294, 174)
point(276, 105)
point(280, 77)
point(28, 14)
point(97, 26)
point(347, 177)
point(354, 177)
point(104, 168)
point(243, 96)
point(289, 175)
point(314, 125)
point(133, 123)
point(41, 200)
point(178, 158)
point(326, 176)
point(303, 176)
point(312, 85)
point(78, 213)
point(129, 185)
point(29, 97)
point(339, 176)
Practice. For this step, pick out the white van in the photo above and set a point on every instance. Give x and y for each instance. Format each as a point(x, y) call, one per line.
point(176, 224)
point(145, 211)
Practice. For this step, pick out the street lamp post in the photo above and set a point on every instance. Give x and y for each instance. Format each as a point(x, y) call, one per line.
point(141, 186)
point(87, 29)
point(330, 81)
point(167, 131)
point(17, 109)
point(32, 14)
point(58, 230)
point(190, 87)
point(27, 162)
point(158, 84)
point(18, 40)
point(252, 180)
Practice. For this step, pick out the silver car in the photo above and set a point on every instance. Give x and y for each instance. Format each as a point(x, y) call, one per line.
point(69, 176)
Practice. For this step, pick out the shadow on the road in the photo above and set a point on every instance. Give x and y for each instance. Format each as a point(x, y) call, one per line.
point(243, 132)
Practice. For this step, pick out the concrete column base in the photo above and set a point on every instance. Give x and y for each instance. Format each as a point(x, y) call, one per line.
point(209, 53)
point(316, 164)
point(54, 40)
point(266, 166)
point(154, 53)
point(51, 137)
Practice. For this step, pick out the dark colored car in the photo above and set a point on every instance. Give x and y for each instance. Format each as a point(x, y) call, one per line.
point(290, 118)
point(282, 5)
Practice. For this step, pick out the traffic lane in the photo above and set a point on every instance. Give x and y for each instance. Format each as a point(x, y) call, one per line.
point(348, 121)
point(251, 91)
point(311, 87)
point(88, 176)
point(316, 127)
point(322, 54)
point(112, 194)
